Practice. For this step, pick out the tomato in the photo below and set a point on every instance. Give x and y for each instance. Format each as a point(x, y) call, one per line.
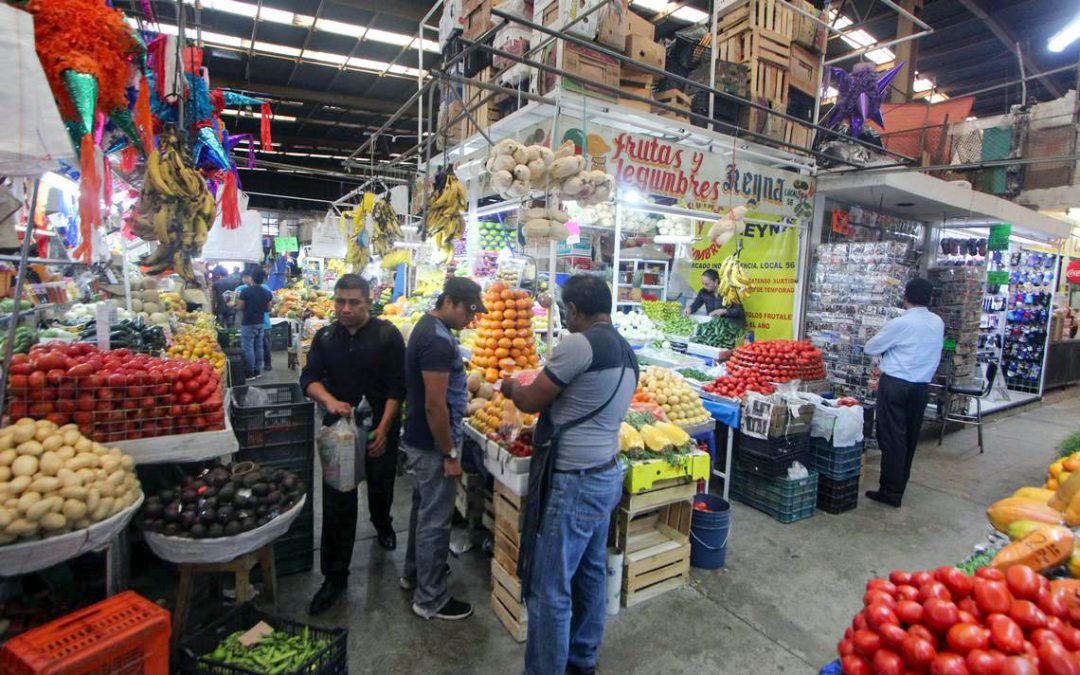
point(940, 615)
point(921, 631)
point(184, 398)
point(992, 596)
point(853, 664)
point(1019, 665)
point(81, 370)
point(80, 417)
point(878, 597)
point(17, 382)
point(982, 662)
point(918, 653)
point(888, 663)
point(964, 637)
point(1042, 635)
point(66, 405)
point(1070, 637)
point(879, 614)
point(1027, 615)
point(18, 410)
point(21, 369)
point(948, 663)
point(892, 636)
point(920, 578)
point(41, 409)
point(1052, 604)
point(934, 589)
point(55, 376)
point(1005, 634)
point(1023, 582)
point(989, 573)
point(1054, 659)
point(35, 380)
point(906, 592)
point(958, 583)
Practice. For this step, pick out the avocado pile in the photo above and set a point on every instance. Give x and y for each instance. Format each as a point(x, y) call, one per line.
point(222, 502)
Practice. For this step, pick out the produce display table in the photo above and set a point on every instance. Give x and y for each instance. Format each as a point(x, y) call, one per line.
point(194, 447)
point(726, 413)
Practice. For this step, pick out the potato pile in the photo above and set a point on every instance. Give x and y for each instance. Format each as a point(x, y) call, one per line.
point(679, 401)
point(54, 480)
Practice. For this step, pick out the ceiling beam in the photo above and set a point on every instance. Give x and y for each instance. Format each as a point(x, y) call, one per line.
point(1002, 34)
point(412, 10)
point(364, 104)
point(953, 46)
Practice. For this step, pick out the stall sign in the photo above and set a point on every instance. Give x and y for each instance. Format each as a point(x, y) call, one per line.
point(286, 244)
point(999, 237)
point(1072, 272)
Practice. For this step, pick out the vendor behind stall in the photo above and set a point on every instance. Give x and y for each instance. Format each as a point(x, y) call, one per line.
point(708, 298)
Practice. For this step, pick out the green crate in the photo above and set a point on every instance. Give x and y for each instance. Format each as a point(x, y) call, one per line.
point(783, 499)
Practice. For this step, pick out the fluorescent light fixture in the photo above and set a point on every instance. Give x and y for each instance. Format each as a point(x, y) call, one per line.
point(61, 183)
point(257, 115)
point(651, 5)
point(1065, 37)
point(881, 56)
point(831, 92)
point(938, 97)
point(922, 84)
point(673, 239)
point(632, 197)
point(269, 14)
point(689, 14)
point(841, 22)
point(498, 207)
point(859, 38)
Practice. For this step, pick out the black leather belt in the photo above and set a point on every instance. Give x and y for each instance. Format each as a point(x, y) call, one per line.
point(596, 469)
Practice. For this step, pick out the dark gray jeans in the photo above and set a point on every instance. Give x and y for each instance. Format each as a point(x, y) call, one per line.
point(429, 529)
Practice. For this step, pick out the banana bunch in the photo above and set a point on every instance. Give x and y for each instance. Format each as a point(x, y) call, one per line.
point(734, 284)
point(386, 228)
point(175, 209)
point(358, 251)
point(396, 257)
point(444, 222)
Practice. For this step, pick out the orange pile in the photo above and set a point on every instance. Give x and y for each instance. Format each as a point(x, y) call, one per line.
point(504, 342)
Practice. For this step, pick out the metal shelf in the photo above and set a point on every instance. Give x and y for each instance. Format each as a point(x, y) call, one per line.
point(6, 257)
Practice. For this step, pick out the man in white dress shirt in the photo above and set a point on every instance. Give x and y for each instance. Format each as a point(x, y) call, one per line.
point(910, 349)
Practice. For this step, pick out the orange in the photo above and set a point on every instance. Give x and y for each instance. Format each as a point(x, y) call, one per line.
point(522, 323)
point(508, 323)
point(506, 295)
point(1071, 463)
point(534, 360)
point(507, 363)
point(496, 314)
point(523, 361)
point(514, 353)
point(497, 287)
point(498, 306)
point(491, 375)
point(510, 314)
point(524, 304)
point(502, 352)
point(505, 343)
point(510, 333)
point(519, 343)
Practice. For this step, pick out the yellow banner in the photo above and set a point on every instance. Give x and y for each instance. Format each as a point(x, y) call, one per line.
point(770, 256)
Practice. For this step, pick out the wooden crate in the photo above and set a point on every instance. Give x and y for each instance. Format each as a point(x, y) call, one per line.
point(770, 83)
point(773, 15)
point(507, 602)
point(662, 493)
point(763, 45)
point(674, 97)
point(469, 500)
point(486, 114)
point(803, 71)
point(656, 546)
point(508, 519)
point(488, 519)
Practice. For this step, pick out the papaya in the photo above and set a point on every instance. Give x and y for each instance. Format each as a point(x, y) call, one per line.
point(1041, 549)
point(1035, 494)
point(1073, 566)
point(1011, 509)
point(1072, 511)
point(1021, 528)
point(1067, 489)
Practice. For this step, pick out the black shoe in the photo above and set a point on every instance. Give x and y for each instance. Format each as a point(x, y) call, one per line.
point(387, 539)
point(453, 610)
point(267, 367)
point(580, 670)
point(325, 597)
point(884, 498)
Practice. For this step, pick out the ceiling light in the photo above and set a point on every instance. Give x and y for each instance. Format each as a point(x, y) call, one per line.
point(1065, 37)
point(840, 21)
point(689, 14)
point(264, 13)
point(257, 115)
point(651, 5)
point(922, 84)
point(881, 56)
point(859, 38)
point(938, 97)
point(831, 92)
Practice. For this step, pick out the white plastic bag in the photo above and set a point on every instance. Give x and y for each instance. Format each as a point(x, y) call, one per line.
point(243, 244)
point(327, 238)
point(341, 447)
point(797, 471)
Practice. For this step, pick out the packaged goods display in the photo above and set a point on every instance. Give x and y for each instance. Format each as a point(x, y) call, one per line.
point(855, 288)
point(958, 297)
point(1031, 292)
point(994, 304)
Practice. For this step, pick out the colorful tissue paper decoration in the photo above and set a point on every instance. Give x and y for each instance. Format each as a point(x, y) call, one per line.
point(859, 96)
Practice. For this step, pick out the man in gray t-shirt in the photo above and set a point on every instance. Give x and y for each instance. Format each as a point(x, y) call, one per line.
point(594, 369)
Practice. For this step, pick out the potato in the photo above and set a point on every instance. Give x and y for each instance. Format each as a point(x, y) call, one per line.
point(65, 452)
point(70, 426)
point(82, 523)
point(21, 527)
point(24, 465)
point(98, 448)
point(106, 489)
point(73, 510)
point(128, 462)
point(6, 516)
point(46, 484)
point(109, 465)
point(44, 432)
point(39, 509)
point(30, 448)
point(93, 497)
point(51, 522)
point(27, 500)
point(116, 478)
point(50, 463)
point(23, 433)
point(11, 504)
point(73, 492)
point(7, 539)
point(70, 437)
point(84, 445)
point(18, 485)
point(5, 474)
point(8, 456)
point(68, 477)
point(7, 441)
point(83, 460)
point(24, 421)
point(87, 475)
point(103, 510)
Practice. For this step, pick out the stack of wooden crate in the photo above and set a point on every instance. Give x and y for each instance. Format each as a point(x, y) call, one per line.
point(652, 529)
point(676, 99)
point(506, 598)
point(470, 499)
point(485, 115)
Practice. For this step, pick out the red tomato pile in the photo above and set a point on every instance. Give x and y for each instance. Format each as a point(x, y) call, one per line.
point(947, 623)
point(115, 395)
point(779, 360)
point(734, 386)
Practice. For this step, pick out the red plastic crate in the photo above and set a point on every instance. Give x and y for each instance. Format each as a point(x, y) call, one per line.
point(119, 635)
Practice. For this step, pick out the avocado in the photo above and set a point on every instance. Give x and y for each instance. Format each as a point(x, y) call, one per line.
point(233, 528)
point(171, 530)
point(274, 497)
point(189, 496)
point(187, 519)
point(216, 530)
point(167, 496)
point(172, 513)
point(226, 514)
point(207, 516)
point(260, 489)
point(198, 531)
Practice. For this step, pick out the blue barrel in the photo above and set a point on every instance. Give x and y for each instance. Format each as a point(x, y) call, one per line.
point(709, 532)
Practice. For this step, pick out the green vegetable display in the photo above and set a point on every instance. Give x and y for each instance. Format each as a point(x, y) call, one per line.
point(25, 338)
point(7, 305)
point(679, 326)
point(718, 332)
point(277, 652)
point(974, 562)
point(132, 334)
point(661, 312)
point(694, 374)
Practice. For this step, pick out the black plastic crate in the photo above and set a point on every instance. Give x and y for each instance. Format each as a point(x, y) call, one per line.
point(836, 463)
point(769, 466)
point(235, 357)
point(294, 551)
point(783, 499)
point(288, 417)
point(228, 339)
point(837, 496)
point(777, 446)
point(193, 652)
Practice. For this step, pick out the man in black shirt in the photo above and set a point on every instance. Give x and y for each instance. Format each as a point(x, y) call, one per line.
point(354, 357)
point(254, 302)
point(221, 308)
point(708, 298)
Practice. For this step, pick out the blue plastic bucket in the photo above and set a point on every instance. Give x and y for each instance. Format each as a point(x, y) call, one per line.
point(709, 532)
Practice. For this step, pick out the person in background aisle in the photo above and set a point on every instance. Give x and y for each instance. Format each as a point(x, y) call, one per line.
point(437, 398)
point(708, 298)
point(253, 302)
point(354, 357)
point(222, 308)
point(910, 349)
point(582, 395)
point(262, 351)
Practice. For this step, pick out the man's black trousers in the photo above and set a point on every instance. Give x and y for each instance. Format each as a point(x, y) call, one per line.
point(900, 409)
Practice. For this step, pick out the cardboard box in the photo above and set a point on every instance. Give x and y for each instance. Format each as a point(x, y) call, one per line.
point(558, 14)
point(802, 74)
point(640, 26)
point(477, 18)
point(645, 50)
point(590, 64)
point(614, 25)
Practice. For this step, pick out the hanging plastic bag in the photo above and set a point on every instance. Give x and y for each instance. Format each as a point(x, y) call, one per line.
point(328, 239)
point(341, 451)
point(243, 243)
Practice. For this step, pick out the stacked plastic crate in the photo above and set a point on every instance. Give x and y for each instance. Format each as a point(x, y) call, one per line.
point(275, 426)
point(775, 434)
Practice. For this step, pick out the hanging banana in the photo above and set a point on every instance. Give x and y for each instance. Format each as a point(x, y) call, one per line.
point(445, 222)
point(735, 285)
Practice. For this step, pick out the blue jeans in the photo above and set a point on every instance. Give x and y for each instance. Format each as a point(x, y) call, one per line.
point(251, 340)
point(567, 597)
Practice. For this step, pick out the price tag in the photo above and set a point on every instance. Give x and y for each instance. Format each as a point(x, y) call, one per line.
point(104, 318)
point(257, 632)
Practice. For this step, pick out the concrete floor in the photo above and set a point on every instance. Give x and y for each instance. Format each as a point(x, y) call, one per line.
point(779, 606)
